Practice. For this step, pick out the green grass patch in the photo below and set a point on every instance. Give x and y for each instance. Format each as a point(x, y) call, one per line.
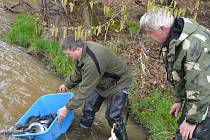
point(59, 61)
point(153, 112)
point(133, 27)
point(27, 33)
point(23, 31)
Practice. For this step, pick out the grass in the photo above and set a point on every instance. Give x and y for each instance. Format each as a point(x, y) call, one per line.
point(58, 60)
point(23, 31)
point(153, 113)
point(27, 33)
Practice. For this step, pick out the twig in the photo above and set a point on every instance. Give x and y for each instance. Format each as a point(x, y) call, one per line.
point(109, 24)
point(136, 35)
point(26, 5)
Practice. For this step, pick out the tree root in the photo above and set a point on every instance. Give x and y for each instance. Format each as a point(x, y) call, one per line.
point(27, 8)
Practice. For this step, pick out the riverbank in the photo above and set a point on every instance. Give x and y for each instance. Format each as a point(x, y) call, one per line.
point(150, 110)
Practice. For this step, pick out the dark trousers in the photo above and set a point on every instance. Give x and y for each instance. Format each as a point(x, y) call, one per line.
point(115, 107)
point(202, 130)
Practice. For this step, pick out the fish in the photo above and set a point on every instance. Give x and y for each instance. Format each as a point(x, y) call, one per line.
point(34, 124)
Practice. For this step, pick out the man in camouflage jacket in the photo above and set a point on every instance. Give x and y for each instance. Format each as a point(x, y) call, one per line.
point(185, 50)
point(102, 75)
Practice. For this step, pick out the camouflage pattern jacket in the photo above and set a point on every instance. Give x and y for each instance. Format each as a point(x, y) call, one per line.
point(186, 54)
point(98, 69)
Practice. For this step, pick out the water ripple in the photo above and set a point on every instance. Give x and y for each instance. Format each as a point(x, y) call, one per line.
point(22, 80)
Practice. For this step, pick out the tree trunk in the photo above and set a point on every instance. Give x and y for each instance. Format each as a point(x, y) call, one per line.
point(55, 14)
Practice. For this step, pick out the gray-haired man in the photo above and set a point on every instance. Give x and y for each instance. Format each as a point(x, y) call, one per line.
point(185, 50)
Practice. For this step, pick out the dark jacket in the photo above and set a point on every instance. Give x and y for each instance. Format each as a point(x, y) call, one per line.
point(97, 69)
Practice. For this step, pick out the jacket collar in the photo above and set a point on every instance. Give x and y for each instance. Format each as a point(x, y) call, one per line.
point(81, 59)
point(189, 26)
point(180, 30)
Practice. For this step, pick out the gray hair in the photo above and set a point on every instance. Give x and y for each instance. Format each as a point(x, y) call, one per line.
point(70, 43)
point(157, 19)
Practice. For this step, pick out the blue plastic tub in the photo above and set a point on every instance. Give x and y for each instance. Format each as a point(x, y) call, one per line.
point(43, 106)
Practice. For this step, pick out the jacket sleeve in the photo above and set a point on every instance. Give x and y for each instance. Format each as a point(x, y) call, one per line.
point(197, 75)
point(73, 79)
point(90, 79)
point(179, 91)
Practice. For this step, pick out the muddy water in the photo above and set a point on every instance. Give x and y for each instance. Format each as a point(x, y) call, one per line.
point(23, 79)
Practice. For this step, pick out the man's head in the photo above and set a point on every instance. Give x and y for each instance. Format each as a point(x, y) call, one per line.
point(157, 24)
point(72, 48)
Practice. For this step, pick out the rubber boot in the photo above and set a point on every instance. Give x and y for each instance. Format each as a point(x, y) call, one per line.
point(120, 132)
point(83, 133)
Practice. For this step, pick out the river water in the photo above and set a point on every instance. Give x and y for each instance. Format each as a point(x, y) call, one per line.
point(24, 78)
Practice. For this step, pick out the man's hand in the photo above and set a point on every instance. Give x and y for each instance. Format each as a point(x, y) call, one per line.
point(62, 112)
point(186, 130)
point(175, 109)
point(62, 88)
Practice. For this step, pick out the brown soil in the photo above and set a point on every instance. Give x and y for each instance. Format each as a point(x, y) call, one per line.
point(154, 75)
